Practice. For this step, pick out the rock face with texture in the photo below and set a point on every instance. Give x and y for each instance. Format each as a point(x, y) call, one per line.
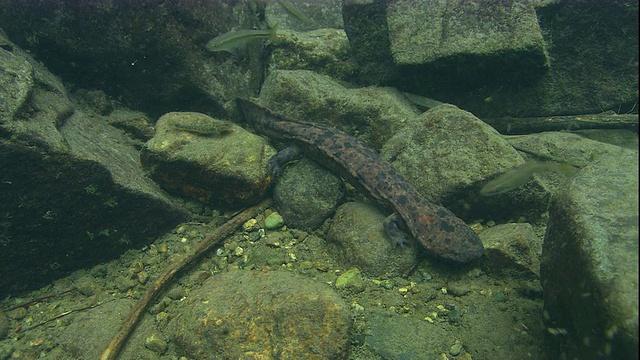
point(152, 57)
point(359, 235)
point(589, 266)
point(209, 160)
point(491, 57)
point(306, 194)
point(513, 247)
point(73, 192)
point(417, 40)
point(451, 146)
point(423, 32)
point(372, 114)
point(243, 314)
point(325, 51)
point(448, 153)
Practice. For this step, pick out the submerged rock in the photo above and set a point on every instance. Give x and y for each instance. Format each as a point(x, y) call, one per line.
point(208, 160)
point(244, 314)
point(589, 266)
point(360, 238)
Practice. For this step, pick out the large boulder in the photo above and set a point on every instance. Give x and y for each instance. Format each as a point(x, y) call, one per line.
point(589, 266)
point(149, 53)
point(73, 192)
point(495, 58)
point(212, 161)
point(243, 314)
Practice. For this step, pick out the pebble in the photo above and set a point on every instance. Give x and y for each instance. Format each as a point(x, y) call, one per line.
point(456, 348)
point(250, 225)
point(387, 284)
point(156, 342)
point(274, 239)
point(6, 351)
point(18, 313)
point(176, 293)
point(457, 289)
point(500, 296)
point(273, 221)
point(350, 279)
point(143, 277)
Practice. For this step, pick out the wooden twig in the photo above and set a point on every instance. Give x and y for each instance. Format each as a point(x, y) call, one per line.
point(226, 229)
point(38, 299)
point(63, 314)
point(521, 126)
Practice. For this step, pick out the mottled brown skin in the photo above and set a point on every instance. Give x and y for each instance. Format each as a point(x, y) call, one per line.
point(436, 228)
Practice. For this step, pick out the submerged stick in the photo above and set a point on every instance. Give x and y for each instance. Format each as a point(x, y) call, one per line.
point(520, 126)
point(118, 341)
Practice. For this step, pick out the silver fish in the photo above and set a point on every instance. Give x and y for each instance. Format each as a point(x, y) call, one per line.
point(520, 175)
point(235, 39)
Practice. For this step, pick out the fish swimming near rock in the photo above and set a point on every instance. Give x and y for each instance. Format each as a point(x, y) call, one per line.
point(436, 228)
point(234, 39)
point(520, 175)
point(295, 12)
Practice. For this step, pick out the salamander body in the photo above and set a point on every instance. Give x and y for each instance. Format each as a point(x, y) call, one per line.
point(437, 229)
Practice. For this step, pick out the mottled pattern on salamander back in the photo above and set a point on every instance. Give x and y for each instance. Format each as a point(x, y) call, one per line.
point(436, 228)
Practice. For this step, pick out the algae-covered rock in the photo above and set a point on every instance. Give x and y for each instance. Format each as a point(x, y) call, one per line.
point(241, 314)
point(73, 191)
point(357, 232)
point(209, 160)
point(350, 280)
point(589, 266)
point(325, 51)
point(306, 194)
point(273, 221)
point(513, 248)
point(148, 53)
point(449, 153)
point(372, 114)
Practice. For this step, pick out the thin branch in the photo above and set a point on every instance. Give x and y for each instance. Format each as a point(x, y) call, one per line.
point(520, 126)
point(222, 232)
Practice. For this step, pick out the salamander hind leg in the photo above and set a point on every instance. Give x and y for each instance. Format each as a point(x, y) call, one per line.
point(399, 237)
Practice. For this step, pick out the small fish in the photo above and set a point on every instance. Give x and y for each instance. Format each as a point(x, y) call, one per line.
point(295, 12)
point(235, 39)
point(421, 101)
point(520, 175)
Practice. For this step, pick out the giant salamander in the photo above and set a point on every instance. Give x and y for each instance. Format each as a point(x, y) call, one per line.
point(438, 230)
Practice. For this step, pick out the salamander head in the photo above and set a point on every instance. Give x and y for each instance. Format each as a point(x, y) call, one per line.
point(446, 236)
point(461, 245)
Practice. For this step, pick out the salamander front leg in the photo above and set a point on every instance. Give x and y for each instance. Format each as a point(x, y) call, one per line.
point(393, 225)
point(279, 160)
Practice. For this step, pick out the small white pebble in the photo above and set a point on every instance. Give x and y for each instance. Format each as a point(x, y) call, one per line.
point(238, 251)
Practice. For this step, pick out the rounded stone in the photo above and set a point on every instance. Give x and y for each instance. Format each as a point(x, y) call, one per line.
point(273, 221)
point(351, 279)
point(306, 194)
point(245, 314)
point(156, 342)
point(358, 233)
